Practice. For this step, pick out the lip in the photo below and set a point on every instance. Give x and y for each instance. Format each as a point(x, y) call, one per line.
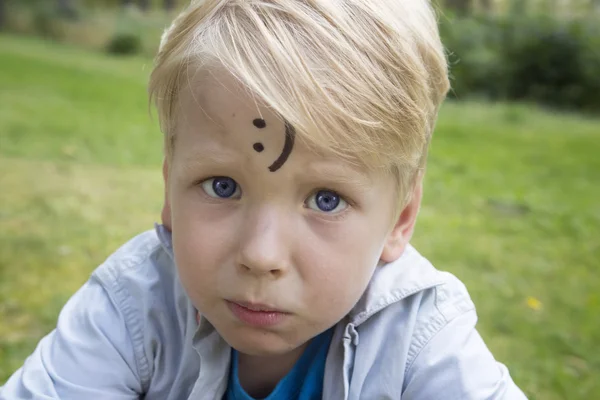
point(259, 315)
point(258, 307)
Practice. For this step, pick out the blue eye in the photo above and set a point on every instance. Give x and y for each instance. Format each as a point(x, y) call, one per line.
point(221, 187)
point(326, 201)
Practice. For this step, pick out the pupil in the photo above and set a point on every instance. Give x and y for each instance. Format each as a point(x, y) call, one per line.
point(327, 201)
point(224, 187)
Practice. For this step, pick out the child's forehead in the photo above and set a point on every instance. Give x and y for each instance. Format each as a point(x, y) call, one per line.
point(226, 118)
point(221, 97)
point(220, 112)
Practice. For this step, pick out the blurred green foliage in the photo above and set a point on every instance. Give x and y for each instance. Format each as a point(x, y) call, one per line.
point(125, 43)
point(122, 30)
point(526, 57)
point(522, 53)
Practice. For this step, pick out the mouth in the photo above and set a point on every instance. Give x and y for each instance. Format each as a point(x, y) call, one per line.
point(254, 314)
point(257, 307)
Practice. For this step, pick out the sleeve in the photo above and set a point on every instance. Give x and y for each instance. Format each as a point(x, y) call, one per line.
point(457, 365)
point(88, 356)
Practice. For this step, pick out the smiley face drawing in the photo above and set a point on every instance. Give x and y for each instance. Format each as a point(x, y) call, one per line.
point(290, 135)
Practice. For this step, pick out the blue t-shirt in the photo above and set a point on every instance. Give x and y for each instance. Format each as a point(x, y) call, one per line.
point(303, 382)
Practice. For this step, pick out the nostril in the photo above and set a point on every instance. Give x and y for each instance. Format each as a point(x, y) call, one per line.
point(245, 267)
point(276, 273)
point(257, 269)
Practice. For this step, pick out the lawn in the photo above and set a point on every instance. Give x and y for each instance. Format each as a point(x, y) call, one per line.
point(511, 207)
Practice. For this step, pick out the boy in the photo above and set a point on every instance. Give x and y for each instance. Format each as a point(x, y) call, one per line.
point(296, 135)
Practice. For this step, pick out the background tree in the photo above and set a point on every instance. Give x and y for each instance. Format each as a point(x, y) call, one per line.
point(66, 9)
point(2, 14)
point(461, 7)
point(169, 5)
point(486, 5)
point(144, 5)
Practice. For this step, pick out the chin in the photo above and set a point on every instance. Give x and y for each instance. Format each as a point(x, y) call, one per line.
point(262, 344)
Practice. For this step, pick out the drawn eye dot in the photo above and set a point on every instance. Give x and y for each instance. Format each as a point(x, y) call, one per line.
point(259, 123)
point(258, 147)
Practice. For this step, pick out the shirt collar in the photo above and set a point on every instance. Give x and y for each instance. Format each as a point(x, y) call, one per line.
point(393, 282)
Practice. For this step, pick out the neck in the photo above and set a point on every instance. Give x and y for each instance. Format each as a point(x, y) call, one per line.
point(259, 375)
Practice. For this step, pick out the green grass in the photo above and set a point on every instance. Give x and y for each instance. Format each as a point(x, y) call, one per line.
point(510, 207)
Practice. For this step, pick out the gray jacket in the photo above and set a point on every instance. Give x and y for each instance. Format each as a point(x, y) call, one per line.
point(131, 332)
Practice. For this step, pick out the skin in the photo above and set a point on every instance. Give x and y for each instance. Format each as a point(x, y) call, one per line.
point(270, 244)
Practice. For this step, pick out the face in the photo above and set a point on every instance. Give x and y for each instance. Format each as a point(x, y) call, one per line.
point(274, 244)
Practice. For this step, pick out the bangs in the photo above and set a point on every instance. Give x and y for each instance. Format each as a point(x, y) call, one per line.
point(362, 80)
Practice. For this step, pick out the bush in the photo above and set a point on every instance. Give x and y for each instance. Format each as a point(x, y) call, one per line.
point(44, 17)
point(525, 57)
point(125, 43)
point(40, 17)
point(475, 64)
point(546, 62)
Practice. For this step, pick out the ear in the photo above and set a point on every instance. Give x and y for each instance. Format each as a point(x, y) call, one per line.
point(166, 211)
point(401, 233)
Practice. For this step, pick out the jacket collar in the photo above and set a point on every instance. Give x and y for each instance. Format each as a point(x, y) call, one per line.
point(391, 282)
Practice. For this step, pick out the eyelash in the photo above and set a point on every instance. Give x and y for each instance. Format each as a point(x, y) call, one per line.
point(202, 182)
point(341, 197)
point(328, 215)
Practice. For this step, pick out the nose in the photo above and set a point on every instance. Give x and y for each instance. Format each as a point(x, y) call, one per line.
point(264, 246)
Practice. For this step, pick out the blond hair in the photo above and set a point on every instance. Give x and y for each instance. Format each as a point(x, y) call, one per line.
point(362, 79)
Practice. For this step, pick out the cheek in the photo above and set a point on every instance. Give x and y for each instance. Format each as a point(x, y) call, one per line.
point(356, 241)
point(203, 236)
point(343, 259)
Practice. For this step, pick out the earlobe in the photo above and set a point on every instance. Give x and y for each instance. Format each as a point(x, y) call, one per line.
point(401, 233)
point(166, 211)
